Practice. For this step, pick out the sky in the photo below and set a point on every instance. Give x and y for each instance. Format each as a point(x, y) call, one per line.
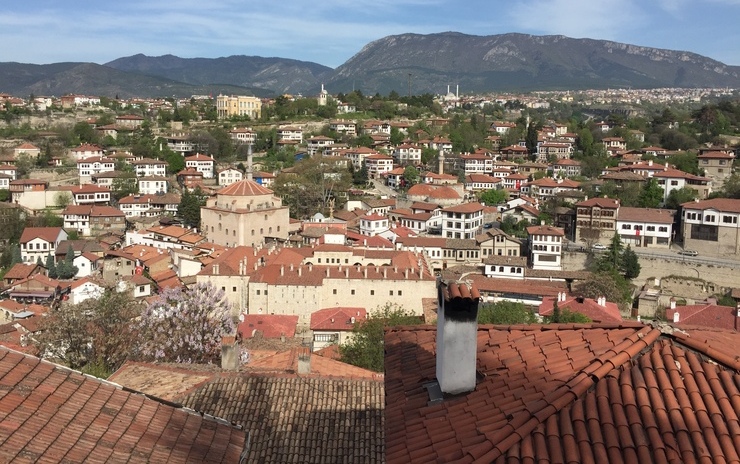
point(329, 32)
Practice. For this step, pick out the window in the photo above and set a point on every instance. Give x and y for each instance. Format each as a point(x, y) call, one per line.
point(390, 292)
point(662, 229)
point(729, 219)
point(372, 292)
point(233, 289)
point(651, 228)
point(400, 292)
point(258, 292)
point(334, 291)
point(352, 292)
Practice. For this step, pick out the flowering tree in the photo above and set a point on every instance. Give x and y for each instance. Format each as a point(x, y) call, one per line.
point(186, 325)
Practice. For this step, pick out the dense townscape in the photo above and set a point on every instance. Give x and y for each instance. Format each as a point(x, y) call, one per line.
point(351, 278)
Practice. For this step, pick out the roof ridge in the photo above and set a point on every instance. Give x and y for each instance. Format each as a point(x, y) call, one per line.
point(524, 422)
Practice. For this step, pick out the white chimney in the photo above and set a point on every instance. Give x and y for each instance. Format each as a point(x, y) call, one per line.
point(673, 303)
point(282, 270)
point(457, 337)
point(676, 316)
point(300, 270)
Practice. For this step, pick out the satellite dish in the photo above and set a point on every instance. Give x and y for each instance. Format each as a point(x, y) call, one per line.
point(241, 317)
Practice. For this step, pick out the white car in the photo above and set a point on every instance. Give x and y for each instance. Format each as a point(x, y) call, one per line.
point(599, 247)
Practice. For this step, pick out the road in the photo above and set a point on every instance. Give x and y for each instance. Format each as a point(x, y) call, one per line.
point(670, 255)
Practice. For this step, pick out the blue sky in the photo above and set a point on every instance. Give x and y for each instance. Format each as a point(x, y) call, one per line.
point(330, 32)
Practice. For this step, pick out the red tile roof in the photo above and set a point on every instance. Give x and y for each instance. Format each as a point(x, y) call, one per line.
point(586, 306)
point(727, 205)
point(48, 234)
point(472, 207)
point(53, 414)
point(336, 318)
point(569, 393)
point(245, 187)
point(705, 315)
point(269, 325)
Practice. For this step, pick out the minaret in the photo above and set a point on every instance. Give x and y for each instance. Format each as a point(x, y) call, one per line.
point(441, 160)
point(250, 169)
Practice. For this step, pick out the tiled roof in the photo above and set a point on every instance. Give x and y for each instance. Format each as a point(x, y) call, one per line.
point(245, 187)
point(705, 315)
point(568, 393)
point(53, 414)
point(653, 215)
point(336, 318)
point(726, 205)
point(601, 202)
point(269, 325)
point(590, 308)
point(545, 230)
point(293, 418)
point(48, 234)
point(472, 207)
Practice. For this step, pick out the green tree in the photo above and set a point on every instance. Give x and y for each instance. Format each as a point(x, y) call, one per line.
point(411, 175)
point(189, 208)
point(365, 348)
point(124, 185)
point(62, 199)
point(493, 197)
point(609, 284)
point(680, 196)
point(651, 195)
point(51, 267)
point(23, 165)
point(97, 332)
point(66, 269)
point(506, 313)
point(630, 264)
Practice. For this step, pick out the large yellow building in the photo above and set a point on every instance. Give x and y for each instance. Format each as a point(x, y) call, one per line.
point(238, 105)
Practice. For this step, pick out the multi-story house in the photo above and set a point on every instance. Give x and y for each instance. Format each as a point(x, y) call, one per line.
point(87, 150)
point(502, 127)
point(462, 221)
point(239, 105)
point(150, 167)
point(149, 205)
point(201, 163)
point(265, 179)
point(711, 226)
point(345, 127)
point(229, 175)
point(26, 148)
point(596, 220)
point(88, 167)
point(180, 144)
point(129, 121)
point(373, 224)
point(495, 242)
point(612, 145)
point(166, 237)
point(377, 165)
point(19, 187)
point(717, 165)
point(290, 134)
point(90, 194)
point(152, 185)
point(547, 187)
point(513, 182)
point(376, 127)
point(566, 168)
point(318, 144)
point(477, 163)
point(514, 152)
point(9, 170)
point(550, 150)
point(674, 179)
point(545, 247)
point(480, 182)
point(243, 135)
point(407, 154)
point(394, 178)
point(92, 220)
point(645, 227)
point(39, 242)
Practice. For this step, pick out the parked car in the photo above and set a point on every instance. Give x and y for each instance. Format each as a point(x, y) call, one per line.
point(688, 253)
point(599, 247)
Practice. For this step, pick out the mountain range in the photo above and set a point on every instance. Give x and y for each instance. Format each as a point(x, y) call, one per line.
point(405, 63)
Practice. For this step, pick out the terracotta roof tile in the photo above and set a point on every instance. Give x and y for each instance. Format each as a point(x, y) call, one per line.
point(52, 414)
point(639, 396)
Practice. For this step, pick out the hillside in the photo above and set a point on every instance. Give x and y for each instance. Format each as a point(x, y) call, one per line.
point(429, 63)
point(521, 62)
point(93, 79)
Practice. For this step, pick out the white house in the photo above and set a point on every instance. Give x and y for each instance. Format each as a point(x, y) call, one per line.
point(148, 167)
point(86, 263)
point(546, 247)
point(229, 175)
point(87, 167)
point(407, 154)
point(152, 185)
point(373, 224)
point(645, 227)
point(462, 221)
point(201, 163)
point(84, 289)
point(39, 242)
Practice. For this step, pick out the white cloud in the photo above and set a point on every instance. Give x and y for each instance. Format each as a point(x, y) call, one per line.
point(607, 19)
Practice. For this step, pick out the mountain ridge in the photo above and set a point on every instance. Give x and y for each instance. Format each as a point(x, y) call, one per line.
point(425, 63)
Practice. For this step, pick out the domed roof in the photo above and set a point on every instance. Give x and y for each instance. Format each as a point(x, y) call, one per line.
point(245, 188)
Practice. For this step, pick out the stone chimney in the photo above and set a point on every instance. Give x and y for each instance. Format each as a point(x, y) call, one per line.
point(304, 362)
point(457, 337)
point(229, 353)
